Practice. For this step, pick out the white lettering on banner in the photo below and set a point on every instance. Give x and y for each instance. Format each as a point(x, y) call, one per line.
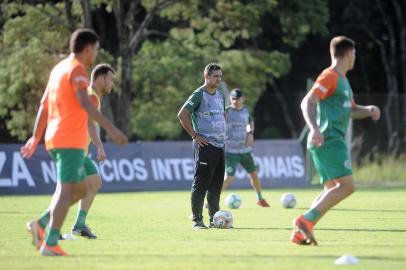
point(188, 168)
point(115, 169)
point(298, 168)
point(20, 171)
point(123, 166)
point(176, 162)
point(140, 171)
point(277, 167)
point(108, 177)
point(4, 182)
point(164, 169)
point(154, 170)
point(48, 171)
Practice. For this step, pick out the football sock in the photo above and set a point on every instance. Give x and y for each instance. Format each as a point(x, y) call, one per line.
point(259, 196)
point(81, 219)
point(44, 219)
point(52, 237)
point(312, 214)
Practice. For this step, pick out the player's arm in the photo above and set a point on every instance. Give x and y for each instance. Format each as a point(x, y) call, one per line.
point(116, 135)
point(39, 127)
point(250, 133)
point(101, 155)
point(186, 122)
point(361, 112)
point(184, 116)
point(308, 106)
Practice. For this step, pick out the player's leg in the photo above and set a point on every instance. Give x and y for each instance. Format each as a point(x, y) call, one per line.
point(93, 184)
point(231, 163)
point(249, 164)
point(216, 184)
point(70, 173)
point(202, 178)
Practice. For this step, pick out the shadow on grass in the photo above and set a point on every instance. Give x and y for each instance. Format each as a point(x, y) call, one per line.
point(360, 210)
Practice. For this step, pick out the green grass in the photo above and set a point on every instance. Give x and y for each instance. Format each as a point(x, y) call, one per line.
point(388, 170)
point(153, 231)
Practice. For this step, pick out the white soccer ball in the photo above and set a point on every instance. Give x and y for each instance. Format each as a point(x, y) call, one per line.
point(288, 200)
point(223, 219)
point(233, 201)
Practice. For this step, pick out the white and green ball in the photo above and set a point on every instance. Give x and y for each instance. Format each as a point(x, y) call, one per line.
point(223, 219)
point(288, 200)
point(233, 201)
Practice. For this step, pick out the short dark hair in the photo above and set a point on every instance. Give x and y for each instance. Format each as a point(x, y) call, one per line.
point(211, 67)
point(340, 45)
point(81, 38)
point(100, 70)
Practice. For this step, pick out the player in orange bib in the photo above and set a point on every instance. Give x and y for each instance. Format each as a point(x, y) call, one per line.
point(64, 111)
point(102, 80)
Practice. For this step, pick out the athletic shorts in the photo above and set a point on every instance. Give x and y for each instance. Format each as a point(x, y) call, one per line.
point(246, 160)
point(332, 159)
point(69, 164)
point(90, 168)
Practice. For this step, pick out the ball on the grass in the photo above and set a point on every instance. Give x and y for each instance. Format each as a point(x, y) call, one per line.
point(223, 219)
point(288, 200)
point(233, 201)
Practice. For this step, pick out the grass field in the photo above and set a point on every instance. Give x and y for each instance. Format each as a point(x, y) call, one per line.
point(153, 231)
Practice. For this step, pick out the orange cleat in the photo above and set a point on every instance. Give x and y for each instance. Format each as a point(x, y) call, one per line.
point(52, 250)
point(263, 203)
point(304, 227)
point(298, 238)
point(37, 233)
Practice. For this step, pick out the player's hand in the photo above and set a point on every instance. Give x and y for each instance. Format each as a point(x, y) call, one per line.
point(375, 112)
point(200, 140)
point(101, 155)
point(118, 136)
point(29, 148)
point(250, 140)
point(316, 137)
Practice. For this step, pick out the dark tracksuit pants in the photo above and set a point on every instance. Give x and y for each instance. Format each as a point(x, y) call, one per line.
point(208, 178)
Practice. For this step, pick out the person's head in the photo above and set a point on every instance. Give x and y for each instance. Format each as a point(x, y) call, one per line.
point(102, 77)
point(212, 75)
point(85, 42)
point(237, 98)
point(343, 48)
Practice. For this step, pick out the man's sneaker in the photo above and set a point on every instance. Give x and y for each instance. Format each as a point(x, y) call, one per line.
point(52, 250)
point(37, 233)
point(199, 225)
point(263, 203)
point(84, 232)
point(61, 237)
point(306, 228)
point(298, 238)
point(211, 225)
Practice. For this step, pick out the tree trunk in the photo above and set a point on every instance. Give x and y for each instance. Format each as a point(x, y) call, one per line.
point(87, 15)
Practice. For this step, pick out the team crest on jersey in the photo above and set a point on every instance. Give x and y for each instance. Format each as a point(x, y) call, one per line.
point(347, 164)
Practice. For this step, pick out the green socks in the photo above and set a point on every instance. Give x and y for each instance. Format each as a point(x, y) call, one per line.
point(259, 196)
point(312, 214)
point(52, 237)
point(81, 219)
point(44, 219)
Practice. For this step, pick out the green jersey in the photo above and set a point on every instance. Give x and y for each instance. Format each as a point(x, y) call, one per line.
point(336, 102)
point(207, 112)
point(237, 121)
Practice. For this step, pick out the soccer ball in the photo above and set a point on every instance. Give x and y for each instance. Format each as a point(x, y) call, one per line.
point(288, 200)
point(223, 219)
point(233, 201)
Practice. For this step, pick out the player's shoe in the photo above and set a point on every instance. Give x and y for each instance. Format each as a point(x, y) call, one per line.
point(37, 233)
point(199, 225)
point(263, 203)
point(298, 238)
point(305, 227)
point(84, 232)
point(52, 250)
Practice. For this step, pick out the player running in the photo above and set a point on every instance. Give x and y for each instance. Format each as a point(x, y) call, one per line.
point(101, 83)
point(63, 112)
point(333, 97)
point(239, 141)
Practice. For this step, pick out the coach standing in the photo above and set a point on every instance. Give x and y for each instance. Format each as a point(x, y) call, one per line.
point(203, 117)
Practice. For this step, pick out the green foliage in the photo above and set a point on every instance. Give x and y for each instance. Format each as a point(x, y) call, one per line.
point(384, 169)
